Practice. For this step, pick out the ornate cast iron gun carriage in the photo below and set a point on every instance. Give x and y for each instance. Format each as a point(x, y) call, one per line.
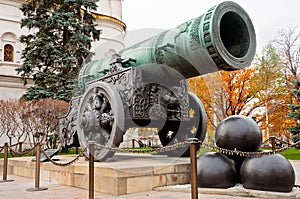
point(146, 85)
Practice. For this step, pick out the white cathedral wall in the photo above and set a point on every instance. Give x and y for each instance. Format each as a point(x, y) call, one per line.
point(10, 35)
point(111, 39)
point(10, 9)
point(11, 86)
point(111, 8)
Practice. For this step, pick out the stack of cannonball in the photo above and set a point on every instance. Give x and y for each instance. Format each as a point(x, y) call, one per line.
point(269, 173)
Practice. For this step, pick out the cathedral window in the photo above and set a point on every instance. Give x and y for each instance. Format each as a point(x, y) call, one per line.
point(8, 53)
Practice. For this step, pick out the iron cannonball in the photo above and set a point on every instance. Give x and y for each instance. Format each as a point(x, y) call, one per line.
point(238, 162)
point(215, 170)
point(238, 132)
point(268, 173)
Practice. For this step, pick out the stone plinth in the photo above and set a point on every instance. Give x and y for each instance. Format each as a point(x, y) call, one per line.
point(123, 174)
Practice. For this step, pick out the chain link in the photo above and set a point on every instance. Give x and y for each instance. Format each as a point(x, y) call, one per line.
point(267, 140)
point(285, 142)
point(1, 149)
point(15, 144)
point(152, 150)
point(65, 163)
point(248, 154)
point(185, 143)
point(162, 149)
point(21, 153)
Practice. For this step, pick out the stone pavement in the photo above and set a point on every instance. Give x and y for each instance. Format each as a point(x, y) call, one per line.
point(18, 190)
point(296, 166)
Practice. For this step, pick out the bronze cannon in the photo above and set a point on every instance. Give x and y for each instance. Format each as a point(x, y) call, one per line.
point(146, 85)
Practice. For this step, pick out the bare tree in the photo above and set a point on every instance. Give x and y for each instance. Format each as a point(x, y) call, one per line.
point(288, 46)
point(2, 131)
point(9, 123)
point(30, 120)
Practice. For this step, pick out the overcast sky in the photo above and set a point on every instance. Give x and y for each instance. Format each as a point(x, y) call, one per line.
point(268, 16)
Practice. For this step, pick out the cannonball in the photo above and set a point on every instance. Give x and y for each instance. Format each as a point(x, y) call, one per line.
point(268, 173)
point(238, 132)
point(238, 161)
point(215, 170)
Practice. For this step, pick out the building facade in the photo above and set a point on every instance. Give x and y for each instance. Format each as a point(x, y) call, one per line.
point(108, 19)
point(11, 85)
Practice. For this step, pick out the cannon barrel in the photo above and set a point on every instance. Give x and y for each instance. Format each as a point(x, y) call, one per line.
point(221, 39)
point(145, 85)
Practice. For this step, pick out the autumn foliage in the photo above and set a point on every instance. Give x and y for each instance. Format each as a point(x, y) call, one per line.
point(224, 93)
point(258, 91)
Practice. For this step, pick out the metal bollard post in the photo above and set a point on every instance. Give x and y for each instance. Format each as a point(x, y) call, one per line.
point(37, 170)
point(193, 150)
point(273, 142)
point(91, 169)
point(5, 164)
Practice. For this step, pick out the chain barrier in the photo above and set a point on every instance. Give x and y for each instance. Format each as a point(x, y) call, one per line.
point(282, 141)
point(45, 154)
point(152, 150)
point(21, 153)
point(267, 140)
point(1, 148)
point(65, 163)
point(270, 139)
point(249, 154)
point(164, 149)
point(14, 144)
point(185, 143)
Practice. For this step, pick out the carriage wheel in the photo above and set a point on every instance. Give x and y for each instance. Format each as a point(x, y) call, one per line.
point(195, 127)
point(100, 119)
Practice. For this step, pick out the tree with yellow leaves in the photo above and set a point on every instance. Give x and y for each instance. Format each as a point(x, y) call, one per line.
point(224, 93)
point(272, 94)
point(258, 91)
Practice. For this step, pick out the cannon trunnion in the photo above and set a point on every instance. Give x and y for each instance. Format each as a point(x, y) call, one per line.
point(145, 85)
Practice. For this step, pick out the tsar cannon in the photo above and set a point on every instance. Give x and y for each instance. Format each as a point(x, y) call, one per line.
point(146, 85)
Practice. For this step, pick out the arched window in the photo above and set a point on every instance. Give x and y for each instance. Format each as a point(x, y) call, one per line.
point(8, 53)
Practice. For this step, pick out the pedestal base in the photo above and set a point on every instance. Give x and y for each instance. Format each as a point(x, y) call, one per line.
point(121, 175)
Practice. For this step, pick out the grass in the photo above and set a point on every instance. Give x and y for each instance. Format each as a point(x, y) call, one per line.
point(292, 154)
point(203, 150)
point(71, 151)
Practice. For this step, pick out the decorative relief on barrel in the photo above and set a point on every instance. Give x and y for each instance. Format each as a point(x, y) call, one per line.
point(159, 52)
point(156, 102)
point(67, 124)
point(194, 34)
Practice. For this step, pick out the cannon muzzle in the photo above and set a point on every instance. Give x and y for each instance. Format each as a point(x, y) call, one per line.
point(221, 39)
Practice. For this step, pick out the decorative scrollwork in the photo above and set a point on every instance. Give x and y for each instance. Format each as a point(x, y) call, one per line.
point(154, 101)
point(99, 118)
point(194, 34)
point(67, 124)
